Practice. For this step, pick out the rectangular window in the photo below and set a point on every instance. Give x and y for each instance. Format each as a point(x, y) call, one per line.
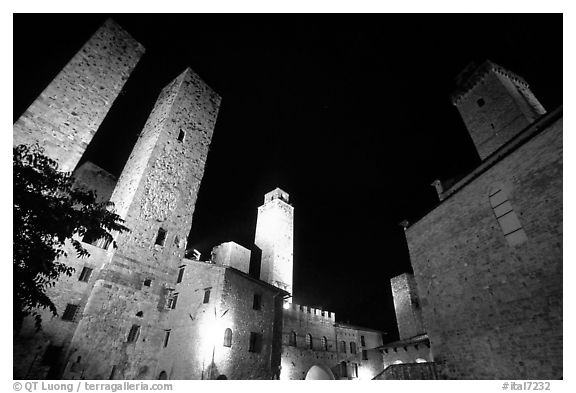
point(355, 370)
point(364, 354)
point(134, 333)
point(70, 312)
point(180, 275)
point(172, 301)
point(255, 342)
point(166, 337)
point(256, 305)
point(85, 274)
point(507, 218)
point(160, 237)
point(362, 342)
point(206, 296)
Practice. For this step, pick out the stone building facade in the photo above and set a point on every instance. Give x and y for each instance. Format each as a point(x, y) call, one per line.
point(488, 259)
point(67, 114)
point(142, 310)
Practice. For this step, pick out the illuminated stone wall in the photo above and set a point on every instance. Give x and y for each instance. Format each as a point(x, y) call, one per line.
point(90, 176)
point(233, 255)
point(493, 310)
point(496, 105)
point(67, 114)
point(156, 192)
point(275, 237)
point(407, 306)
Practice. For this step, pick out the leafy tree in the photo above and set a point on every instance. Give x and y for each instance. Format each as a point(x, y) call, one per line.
point(48, 213)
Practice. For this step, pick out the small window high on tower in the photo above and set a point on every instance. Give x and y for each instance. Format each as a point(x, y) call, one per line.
point(160, 237)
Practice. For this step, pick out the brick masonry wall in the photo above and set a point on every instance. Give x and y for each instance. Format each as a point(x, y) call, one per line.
point(492, 310)
point(67, 114)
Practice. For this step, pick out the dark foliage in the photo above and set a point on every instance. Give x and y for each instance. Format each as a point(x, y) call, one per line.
point(50, 215)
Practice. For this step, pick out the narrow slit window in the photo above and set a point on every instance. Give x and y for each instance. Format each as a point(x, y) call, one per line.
point(257, 303)
point(166, 337)
point(180, 275)
point(160, 237)
point(85, 274)
point(362, 341)
point(134, 333)
point(181, 135)
point(507, 217)
point(324, 343)
point(206, 296)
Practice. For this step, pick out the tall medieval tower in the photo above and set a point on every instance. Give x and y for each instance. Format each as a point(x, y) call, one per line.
point(126, 315)
point(67, 114)
point(495, 104)
point(275, 237)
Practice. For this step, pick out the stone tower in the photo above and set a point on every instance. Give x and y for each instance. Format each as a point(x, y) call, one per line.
point(126, 315)
point(407, 306)
point(495, 104)
point(65, 117)
point(274, 236)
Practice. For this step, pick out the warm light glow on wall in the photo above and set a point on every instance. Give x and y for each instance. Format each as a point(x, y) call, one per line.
point(211, 329)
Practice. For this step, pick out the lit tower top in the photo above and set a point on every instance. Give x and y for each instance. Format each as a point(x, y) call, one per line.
point(274, 236)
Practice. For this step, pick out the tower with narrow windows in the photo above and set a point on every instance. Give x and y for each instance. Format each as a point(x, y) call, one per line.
point(495, 104)
point(275, 237)
point(124, 322)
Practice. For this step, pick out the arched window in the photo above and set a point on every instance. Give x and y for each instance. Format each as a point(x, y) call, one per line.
point(352, 347)
point(228, 337)
point(309, 341)
point(292, 339)
point(343, 346)
point(324, 343)
point(343, 369)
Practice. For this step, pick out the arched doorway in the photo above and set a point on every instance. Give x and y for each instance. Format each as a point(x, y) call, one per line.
point(319, 372)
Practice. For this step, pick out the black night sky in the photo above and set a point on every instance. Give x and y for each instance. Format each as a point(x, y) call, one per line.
point(348, 113)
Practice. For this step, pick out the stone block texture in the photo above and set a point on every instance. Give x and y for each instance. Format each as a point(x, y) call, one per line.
point(407, 306)
point(233, 255)
point(300, 353)
point(156, 194)
point(495, 105)
point(275, 237)
point(67, 114)
point(493, 310)
point(91, 177)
